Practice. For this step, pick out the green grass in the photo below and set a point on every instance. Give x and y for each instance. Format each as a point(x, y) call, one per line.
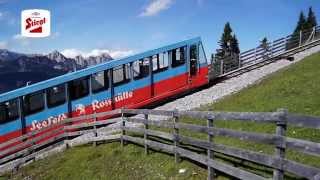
point(296, 88)
point(110, 161)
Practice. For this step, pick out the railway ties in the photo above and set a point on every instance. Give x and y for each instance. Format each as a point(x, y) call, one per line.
point(254, 64)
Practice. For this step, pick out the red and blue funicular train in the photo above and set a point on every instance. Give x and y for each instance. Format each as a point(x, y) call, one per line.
point(131, 82)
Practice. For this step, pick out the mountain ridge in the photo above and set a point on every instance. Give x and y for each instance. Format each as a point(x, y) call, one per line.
point(18, 69)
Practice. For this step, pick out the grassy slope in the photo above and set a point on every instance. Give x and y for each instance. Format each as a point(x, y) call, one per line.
point(109, 161)
point(296, 88)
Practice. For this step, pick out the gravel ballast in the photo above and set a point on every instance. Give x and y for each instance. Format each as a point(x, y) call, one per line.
point(232, 85)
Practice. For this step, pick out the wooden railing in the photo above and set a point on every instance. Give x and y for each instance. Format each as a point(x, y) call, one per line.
point(17, 151)
point(30, 146)
point(286, 46)
point(178, 142)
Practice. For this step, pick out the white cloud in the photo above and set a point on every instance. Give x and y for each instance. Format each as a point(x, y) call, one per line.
point(3, 44)
point(22, 40)
point(71, 53)
point(155, 7)
point(121, 53)
point(18, 37)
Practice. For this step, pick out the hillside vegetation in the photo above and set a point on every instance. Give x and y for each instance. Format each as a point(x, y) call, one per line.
point(296, 88)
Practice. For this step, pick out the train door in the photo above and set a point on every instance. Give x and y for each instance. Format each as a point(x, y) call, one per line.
point(79, 96)
point(141, 86)
point(193, 65)
point(10, 123)
point(101, 92)
point(179, 69)
point(160, 81)
point(122, 88)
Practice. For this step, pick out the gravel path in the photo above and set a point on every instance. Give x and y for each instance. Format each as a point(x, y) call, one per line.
point(229, 86)
point(232, 85)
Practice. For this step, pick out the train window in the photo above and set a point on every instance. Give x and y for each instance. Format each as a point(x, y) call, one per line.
point(202, 55)
point(9, 111)
point(178, 56)
point(141, 68)
point(193, 53)
point(3, 113)
point(78, 88)
point(56, 95)
point(121, 74)
point(160, 62)
point(33, 103)
point(163, 60)
point(99, 81)
point(155, 63)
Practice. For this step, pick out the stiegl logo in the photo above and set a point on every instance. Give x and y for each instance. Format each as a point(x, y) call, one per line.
point(35, 23)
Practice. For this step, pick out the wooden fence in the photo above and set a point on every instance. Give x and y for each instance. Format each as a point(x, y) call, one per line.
point(31, 145)
point(17, 151)
point(281, 143)
point(280, 48)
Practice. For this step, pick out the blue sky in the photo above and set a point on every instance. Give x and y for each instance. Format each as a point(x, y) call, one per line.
point(123, 27)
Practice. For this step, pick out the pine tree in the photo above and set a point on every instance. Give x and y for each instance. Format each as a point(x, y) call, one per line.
point(301, 25)
point(228, 52)
point(226, 38)
point(265, 47)
point(228, 43)
point(264, 43)
point(235, 45)
point(311, 20)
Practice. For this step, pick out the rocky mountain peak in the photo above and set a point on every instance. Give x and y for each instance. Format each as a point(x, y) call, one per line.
point(7, 55)
point(57, 56)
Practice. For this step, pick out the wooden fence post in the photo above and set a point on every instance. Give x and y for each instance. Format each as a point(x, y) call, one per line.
point(300, 38)
point(278, 174)
point(314, 33)
point(146, 127)
point(209, 151)
point(66, 135)
point(176, 136)
point(123, 124)
point(221, 67)
point(255, 54)
point(95, 128)
point(272, 46)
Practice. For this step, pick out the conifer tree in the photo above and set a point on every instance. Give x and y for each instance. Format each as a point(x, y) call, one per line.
point(228, 43)
point(311, 20)
point(301, 25)
point(265, 47)
point(226, 38)
point(235, 45)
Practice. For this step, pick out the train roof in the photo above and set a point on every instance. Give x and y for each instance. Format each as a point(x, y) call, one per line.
point(90, 70)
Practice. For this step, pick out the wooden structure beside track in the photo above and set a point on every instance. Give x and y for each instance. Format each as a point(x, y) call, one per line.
point(281, 48)
point(176, 143)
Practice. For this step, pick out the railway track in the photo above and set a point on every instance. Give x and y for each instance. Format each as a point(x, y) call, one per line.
point(260, 63)
point(227, 85)
point(236, 81)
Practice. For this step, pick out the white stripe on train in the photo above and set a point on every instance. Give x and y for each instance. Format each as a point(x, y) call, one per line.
point(96, 105)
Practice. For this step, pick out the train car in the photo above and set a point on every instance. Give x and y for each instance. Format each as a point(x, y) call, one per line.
point(131, 82)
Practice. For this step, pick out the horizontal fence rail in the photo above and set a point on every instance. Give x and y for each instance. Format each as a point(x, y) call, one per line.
point(17, 151)
point(278, 49)
point(277, 162)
